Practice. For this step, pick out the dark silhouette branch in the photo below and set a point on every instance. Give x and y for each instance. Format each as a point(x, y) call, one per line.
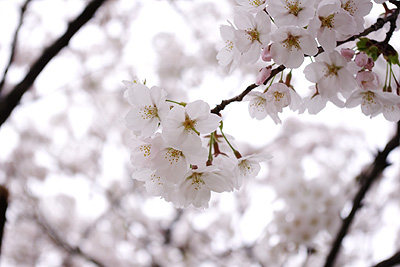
point(392, 261)
point(9, 102)
point(366, 180)
point(14, 44)
point(3, 209)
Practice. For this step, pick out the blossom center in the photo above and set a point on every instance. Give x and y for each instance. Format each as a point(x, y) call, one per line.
point(256, 3)
point(292, 41)
point(148, 112)
point(229, 45)
point(145, 149)
point(350, 7)
point(368, 98)
point(156, 179)
point(258, 104)
point(253, 35)
point(173, 155)
point(278, 96)
point(332, 70)
point(293, 7)
point(189, 124)
point(197, 181)
point(327, 21)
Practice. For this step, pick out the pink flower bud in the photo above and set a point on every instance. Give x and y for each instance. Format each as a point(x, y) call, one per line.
point(361, 59)
point(347, 53)
point(370, 64)
point(266, 54)
point(263, 75)
point(367, 80)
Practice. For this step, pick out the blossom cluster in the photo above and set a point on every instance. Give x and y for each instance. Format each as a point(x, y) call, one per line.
point(177, 151)
point(284, 32)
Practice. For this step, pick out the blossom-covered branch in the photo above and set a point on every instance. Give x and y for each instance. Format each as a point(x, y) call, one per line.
point(380, 22)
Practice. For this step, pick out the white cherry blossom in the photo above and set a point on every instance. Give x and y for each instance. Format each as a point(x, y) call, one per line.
point(331, 22)
point(291, 12)
point(148, 108)
point(185, 124)
point(252, 35)
point(252, 5)
point(330, 73)
point(290, 44)
point(229, 53)
point(358, 9)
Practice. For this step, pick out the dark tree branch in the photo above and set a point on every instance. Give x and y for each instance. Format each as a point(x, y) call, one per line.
point(14, 44)
point(9, 102)
point(380, 22)
point(366, 179)
point(392, 261)
point(3, 209)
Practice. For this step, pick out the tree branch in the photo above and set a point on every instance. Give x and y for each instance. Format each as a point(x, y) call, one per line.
point(14, 43)
point(380, 22)
point(392, 261)
point(57, 239)
point(366, 179)
point(3, 209)
point(8, 103)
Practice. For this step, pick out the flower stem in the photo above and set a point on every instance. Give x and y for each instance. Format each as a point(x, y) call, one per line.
point(237, 154)
point(179, 103)
point(210, 157)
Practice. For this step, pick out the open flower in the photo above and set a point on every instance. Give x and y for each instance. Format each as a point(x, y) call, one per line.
point(229, 53)
point(330, 22)
point(252, 34)
point(148, 108)
point(185, 124)
point(293, 12)
point(290, 44)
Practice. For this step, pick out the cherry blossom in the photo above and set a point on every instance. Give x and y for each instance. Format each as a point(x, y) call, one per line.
point(148, 108)
point(249, 166)
point(185, 124)
point(330, 73)
point(252, 35)
point(229, 53)
point(290, 44)
point(291, 12)
point(358, 9)
point(197, 185)
point(330, 23)
point(252, 5)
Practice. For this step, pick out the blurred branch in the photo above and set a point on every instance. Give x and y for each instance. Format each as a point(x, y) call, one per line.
point(58, 240)
point(3, 209)
point(366, 179)
point(392, 261)
point(14, 43)
point(9, 102)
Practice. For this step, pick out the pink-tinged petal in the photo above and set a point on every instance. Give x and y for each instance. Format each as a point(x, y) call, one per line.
point(197, 110)
point(218, 183)
point(347, 80)
point(243, 20)
point(242, 41)
point(345, 24)
point(314, 71)
point(295, 59)
point(253, 54)
point(308, 45)
point(209, 125)
point(354, 99)
point(279, 53)
point(139, 95)
point(327, 38)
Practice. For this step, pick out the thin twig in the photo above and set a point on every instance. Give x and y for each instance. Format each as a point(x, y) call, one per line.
point(366, 179)
point(9, 102)
point(14, 44)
